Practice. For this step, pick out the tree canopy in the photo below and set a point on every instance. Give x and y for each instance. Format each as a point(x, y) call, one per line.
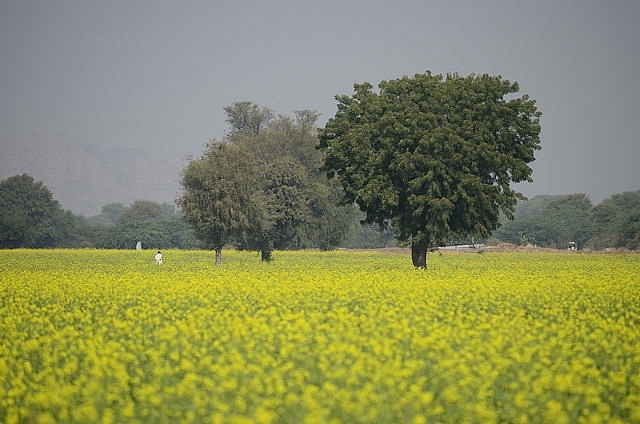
point(434, 156)
point(247, 118)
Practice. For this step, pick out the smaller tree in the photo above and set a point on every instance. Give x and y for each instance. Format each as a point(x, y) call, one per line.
point(218, 195)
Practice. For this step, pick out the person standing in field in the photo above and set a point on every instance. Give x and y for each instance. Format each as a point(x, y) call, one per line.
point(159, 257)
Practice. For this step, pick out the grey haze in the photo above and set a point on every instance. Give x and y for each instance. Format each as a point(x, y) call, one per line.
point(155, 75)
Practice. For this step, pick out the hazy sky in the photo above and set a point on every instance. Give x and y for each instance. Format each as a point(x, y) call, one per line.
point(157, 74)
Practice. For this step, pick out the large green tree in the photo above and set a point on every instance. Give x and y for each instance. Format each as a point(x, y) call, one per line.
point(433, 156)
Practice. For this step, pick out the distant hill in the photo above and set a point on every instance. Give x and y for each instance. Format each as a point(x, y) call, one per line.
point(83, 178)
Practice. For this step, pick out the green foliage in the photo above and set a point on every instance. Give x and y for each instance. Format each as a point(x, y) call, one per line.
point(141, 210)
point(112, 211)
point(366, 236)
point(246, 118)
point(433, 156)
point(330, 224)
point(154, 232)
point(15, 230)
point(261, 188)
point(550, 221)
point(29, 215)
point(286, 191)
point(534, 206)
point(617, 221)
point(218, 194)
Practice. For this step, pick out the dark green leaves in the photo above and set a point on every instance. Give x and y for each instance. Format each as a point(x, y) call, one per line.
point(436, 155)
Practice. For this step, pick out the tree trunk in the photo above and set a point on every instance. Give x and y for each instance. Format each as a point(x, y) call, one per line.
point(266, 255)
point(218, 255)
point(419, 255)
point(267, 248)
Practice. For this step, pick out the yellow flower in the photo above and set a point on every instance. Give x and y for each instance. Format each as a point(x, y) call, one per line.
point(318, 337)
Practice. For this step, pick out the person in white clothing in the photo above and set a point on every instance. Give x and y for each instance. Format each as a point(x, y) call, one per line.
point(159, 257)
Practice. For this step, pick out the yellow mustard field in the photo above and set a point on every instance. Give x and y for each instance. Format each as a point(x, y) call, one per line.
point(92, 336)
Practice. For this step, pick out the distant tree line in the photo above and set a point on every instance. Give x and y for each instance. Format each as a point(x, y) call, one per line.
point(154, 225)
point(30, 217)
point(554, 221)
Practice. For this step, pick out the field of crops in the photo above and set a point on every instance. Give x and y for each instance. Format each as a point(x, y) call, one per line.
point(314, 337)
